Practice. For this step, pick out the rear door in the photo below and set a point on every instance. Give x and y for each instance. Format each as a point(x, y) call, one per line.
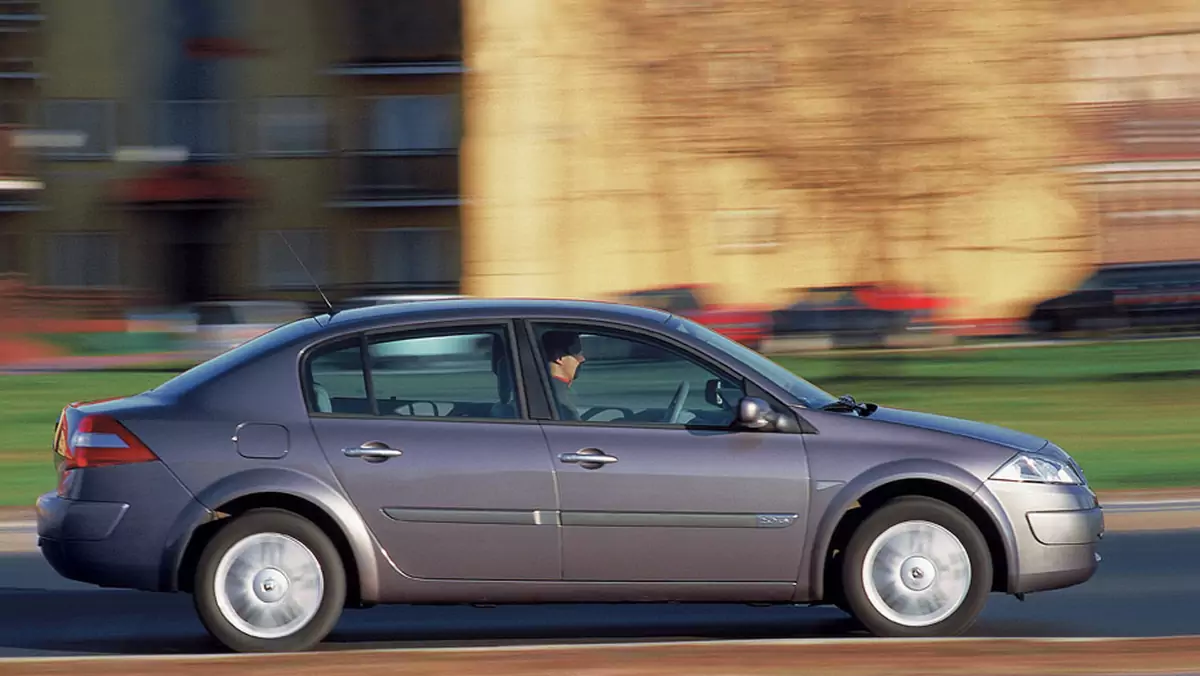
point(437, 453)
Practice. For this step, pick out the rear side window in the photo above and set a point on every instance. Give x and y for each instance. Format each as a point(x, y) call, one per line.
point(461, 373)
point(336, 374)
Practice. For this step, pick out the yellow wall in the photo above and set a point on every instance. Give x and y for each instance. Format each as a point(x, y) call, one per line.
point(588, 171)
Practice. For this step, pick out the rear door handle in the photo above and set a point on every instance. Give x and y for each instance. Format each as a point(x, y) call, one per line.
point(588, 458)
point(372, 451)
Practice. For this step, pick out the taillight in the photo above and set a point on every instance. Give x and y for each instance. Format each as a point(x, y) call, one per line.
point(100, 441)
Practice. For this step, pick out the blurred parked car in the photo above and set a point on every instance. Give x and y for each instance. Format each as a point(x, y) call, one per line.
point(747, 325)
point(390, 298)
point(410, 353)
point(223, 325)
point(841, 313)
point(1161, 295)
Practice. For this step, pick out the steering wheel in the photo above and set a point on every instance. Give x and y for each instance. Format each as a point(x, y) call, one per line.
point(626, 413)
point(676, 406)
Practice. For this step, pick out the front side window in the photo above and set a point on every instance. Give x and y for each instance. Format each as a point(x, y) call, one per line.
point(606, 376)
point(461, 373)
point(809, 395)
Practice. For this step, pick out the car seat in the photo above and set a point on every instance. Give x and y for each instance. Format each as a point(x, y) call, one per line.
point(505, 389)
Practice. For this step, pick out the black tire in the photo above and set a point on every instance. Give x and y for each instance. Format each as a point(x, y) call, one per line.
point(296, 529)
point(947, 520)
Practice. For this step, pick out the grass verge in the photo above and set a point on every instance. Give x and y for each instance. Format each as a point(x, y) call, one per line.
point(1125, 410)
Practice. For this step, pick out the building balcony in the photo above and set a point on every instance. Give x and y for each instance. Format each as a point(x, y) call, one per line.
point(16, 68)
point(414, 37)
point(20, 16)
point(19, 182)
point(416, 178)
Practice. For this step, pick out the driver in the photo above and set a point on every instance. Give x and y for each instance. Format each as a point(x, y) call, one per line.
point(564, 354)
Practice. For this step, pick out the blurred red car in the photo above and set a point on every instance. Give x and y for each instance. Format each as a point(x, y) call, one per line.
point(748, 325)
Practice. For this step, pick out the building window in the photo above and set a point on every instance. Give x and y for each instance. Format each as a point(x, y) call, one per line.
point(83, 259)
point(94, 119)
point(10, 252)
point(203, 126)
point(16, 112)
point(414, 256)
point(426, 122)
point(279, 269)
point(292, 125)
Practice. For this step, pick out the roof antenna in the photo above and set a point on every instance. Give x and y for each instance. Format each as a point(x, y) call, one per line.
point(310, 277)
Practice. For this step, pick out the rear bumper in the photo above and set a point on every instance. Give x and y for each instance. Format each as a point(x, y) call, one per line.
point(90, 536)
point(1056, 530)
point(76, 539)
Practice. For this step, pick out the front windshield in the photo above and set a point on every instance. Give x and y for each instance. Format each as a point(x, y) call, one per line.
point(809, 395)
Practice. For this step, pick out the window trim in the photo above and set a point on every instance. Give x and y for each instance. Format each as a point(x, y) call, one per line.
point(415, 329)
point(258, 147)
point(749, 386)
point(110, 124)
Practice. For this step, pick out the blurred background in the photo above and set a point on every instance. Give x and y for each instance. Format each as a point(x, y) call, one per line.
point(839, 184)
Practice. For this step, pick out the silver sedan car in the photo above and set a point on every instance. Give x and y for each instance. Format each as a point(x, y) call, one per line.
point(554, 451)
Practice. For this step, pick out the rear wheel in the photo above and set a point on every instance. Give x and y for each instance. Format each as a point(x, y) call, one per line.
point(270, 581)
point(916, 567)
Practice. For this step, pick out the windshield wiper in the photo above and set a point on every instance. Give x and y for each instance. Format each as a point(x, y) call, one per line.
point(847, 404)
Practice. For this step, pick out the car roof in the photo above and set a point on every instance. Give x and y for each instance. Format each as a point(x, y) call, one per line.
point(290, 336)
point(474, 307)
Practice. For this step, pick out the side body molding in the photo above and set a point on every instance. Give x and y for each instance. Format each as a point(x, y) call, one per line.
point(892, 472)
point(282, 481)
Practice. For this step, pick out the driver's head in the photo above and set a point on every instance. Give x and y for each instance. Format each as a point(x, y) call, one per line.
point(564, 352)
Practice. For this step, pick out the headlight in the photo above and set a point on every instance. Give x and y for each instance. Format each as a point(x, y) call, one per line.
point(1037, 469)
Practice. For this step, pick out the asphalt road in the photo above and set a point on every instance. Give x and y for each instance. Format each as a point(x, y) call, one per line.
point(1147, 586)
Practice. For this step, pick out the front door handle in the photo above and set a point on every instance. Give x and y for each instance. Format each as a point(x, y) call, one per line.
point(588, 458)
point(372, 451)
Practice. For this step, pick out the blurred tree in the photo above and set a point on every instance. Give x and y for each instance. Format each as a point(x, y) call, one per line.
point(884, 111)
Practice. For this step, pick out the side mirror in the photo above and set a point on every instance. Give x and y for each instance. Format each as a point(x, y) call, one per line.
point(755, 413)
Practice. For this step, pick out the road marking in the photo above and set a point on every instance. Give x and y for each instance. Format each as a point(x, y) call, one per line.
point(802, 642)
point(18, 527)
point(1152, 506)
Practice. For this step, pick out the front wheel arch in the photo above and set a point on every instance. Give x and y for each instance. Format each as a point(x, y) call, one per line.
point(825, 578)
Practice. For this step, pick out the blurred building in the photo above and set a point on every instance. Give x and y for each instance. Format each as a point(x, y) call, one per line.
point(208, 125)
point(20, 183)
point(993, 153)
point(762, 146)
point(1135, 96)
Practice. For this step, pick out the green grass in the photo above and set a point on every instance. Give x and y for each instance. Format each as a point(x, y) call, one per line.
point(112, 343)
point(1127, 411)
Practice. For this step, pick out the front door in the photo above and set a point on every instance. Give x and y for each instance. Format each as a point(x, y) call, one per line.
point(432, 445)
point(677, 494)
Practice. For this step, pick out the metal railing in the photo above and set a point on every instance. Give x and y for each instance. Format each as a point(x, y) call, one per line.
point(400, 175)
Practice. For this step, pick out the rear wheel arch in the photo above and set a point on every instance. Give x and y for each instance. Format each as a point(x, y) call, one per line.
point(287, 502)
point(288, 489)
point(834, 536)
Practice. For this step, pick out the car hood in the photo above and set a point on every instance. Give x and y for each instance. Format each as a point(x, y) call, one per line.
point(964, 428)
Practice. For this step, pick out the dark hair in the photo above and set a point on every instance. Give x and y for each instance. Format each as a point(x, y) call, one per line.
point(560, 344)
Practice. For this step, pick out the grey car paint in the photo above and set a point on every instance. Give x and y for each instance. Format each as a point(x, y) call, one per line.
point(485, 511)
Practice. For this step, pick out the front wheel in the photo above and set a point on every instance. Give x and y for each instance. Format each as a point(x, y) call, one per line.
point(270, 581)
point(916, 567)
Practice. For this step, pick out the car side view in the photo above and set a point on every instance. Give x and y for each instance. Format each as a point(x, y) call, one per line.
point(544, 451)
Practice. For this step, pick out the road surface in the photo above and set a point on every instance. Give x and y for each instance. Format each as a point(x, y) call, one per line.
point(1146, 586)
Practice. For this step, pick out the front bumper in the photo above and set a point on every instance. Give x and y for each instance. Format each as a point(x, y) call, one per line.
point(1056, 530)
